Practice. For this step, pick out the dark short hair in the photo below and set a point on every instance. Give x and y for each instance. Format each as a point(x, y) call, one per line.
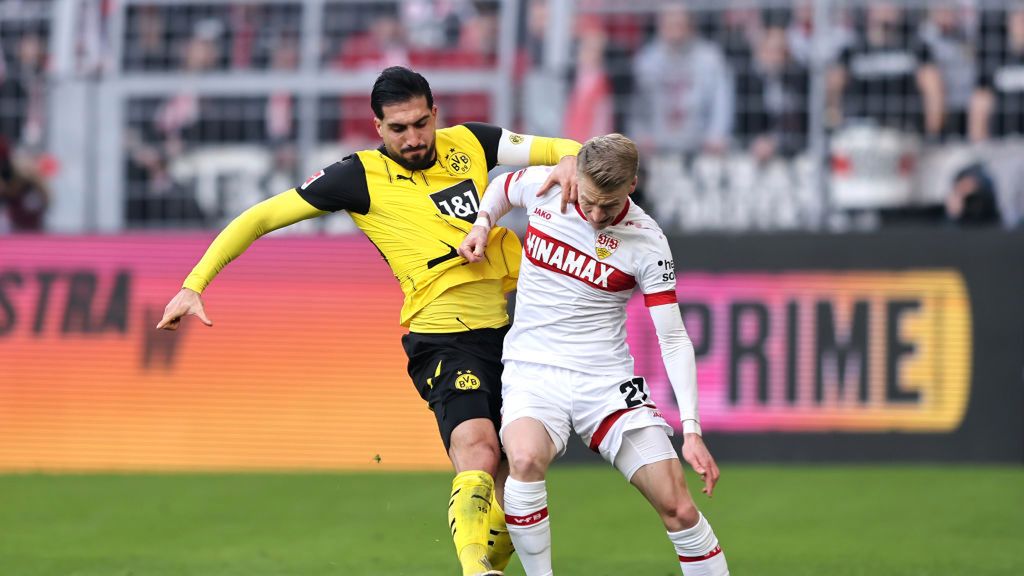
point(398, 84)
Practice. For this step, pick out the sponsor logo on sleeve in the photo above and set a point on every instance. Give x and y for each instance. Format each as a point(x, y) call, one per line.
point(311, 179)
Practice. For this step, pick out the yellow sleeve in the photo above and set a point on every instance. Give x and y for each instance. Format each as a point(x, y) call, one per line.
point(279, 211)
point(548, 151)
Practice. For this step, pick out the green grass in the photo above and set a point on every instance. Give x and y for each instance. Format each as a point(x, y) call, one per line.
point(907, 521)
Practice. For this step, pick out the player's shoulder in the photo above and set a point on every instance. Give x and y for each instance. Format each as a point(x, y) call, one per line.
point(345, 172)
point(465, 134)
point(529, 177)
point(640, 224)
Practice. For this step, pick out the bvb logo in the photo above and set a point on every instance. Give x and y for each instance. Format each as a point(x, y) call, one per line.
point(467, 381)
point(458, 163)
point(515, 138)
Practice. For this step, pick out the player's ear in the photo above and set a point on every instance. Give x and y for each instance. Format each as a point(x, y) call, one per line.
point(632, 187)
point(433, 112)
point(379, 126)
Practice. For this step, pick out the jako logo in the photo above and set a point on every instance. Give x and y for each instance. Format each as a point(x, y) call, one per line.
point(542, 213)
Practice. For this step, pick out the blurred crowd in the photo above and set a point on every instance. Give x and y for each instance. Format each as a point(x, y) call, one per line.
point(730, 85)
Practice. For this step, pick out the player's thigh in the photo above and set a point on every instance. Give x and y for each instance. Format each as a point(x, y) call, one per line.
point(606, 407)
point(458, 382)
point(540, 393)
point(530, 448)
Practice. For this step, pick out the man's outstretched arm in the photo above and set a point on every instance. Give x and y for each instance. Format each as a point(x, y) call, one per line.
point(277, 212)
point(681, 367)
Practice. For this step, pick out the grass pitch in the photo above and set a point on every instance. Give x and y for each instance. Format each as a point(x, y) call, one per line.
point(779, 520)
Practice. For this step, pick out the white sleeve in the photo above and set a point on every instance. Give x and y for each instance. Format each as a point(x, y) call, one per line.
point(496, 202)
point(512, 190)
point(680, 362)
point(514, 149)
point(656, 272)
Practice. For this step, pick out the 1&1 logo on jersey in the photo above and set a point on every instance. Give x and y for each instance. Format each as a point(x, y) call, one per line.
point(459, 201)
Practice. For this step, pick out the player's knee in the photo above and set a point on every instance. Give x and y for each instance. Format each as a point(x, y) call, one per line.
point(476, 452)
point(527, 464)
point(679, 514)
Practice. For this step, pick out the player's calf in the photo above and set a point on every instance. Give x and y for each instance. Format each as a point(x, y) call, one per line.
point(660, 479)
point(530, 452)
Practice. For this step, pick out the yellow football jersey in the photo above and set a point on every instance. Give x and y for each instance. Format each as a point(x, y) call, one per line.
point(416, 219)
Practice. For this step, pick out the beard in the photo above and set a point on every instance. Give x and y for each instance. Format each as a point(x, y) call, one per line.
point(425, 161)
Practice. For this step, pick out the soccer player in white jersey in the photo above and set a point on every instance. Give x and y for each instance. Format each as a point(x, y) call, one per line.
point(567, 365)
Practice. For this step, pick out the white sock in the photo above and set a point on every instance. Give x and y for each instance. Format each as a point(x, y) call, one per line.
point(698, 550)
point(526, 514)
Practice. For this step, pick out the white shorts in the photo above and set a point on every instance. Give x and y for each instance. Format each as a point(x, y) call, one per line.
point(599, 409)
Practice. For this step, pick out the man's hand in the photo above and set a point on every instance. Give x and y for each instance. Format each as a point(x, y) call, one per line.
point(472, 248)
point(700, 459)
point(563, 175)
point(184, 302)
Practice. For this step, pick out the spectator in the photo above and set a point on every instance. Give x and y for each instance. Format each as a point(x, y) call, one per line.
point(887, 76)
point(23, 193)
point(158, 143)
point(741, 30)
point(683, 99)
point(773, 116)
point(541, 99)
point(972, 202)
point(280, 111)
point(380, 46)
point(949, 35)
point(997, 106)
point(13, 101)
point(433, 25)
point(800, 37)
point(30, 71)
point(478, 39)
point(147, 40)
point(590, 107)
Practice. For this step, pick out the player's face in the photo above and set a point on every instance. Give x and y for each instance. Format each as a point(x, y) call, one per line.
point(601, 206)
point(407, 130)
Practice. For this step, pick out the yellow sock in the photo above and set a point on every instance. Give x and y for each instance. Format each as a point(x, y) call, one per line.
point(468, 517)
point(499, 547)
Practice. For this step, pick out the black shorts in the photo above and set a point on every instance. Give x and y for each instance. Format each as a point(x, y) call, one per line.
point(458, 374)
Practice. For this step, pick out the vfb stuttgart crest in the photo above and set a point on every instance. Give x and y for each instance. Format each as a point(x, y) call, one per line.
point(456, 162)
point(605, 245)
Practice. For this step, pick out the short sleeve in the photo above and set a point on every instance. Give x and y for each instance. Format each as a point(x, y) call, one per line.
point(489, 137)
point(340, 186)
point(656, 273)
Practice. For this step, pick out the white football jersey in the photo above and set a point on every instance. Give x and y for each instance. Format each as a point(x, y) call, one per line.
point(575, 281)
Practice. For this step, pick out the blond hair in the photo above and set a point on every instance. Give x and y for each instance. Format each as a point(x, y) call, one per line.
point(609, 162)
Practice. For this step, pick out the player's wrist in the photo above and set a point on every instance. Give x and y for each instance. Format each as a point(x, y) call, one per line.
point(691, 427)
point(484, 221)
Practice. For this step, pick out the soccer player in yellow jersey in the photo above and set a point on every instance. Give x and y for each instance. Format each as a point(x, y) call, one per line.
point(415, 197)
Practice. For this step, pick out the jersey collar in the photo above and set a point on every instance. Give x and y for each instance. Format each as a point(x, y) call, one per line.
point(614, 222)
